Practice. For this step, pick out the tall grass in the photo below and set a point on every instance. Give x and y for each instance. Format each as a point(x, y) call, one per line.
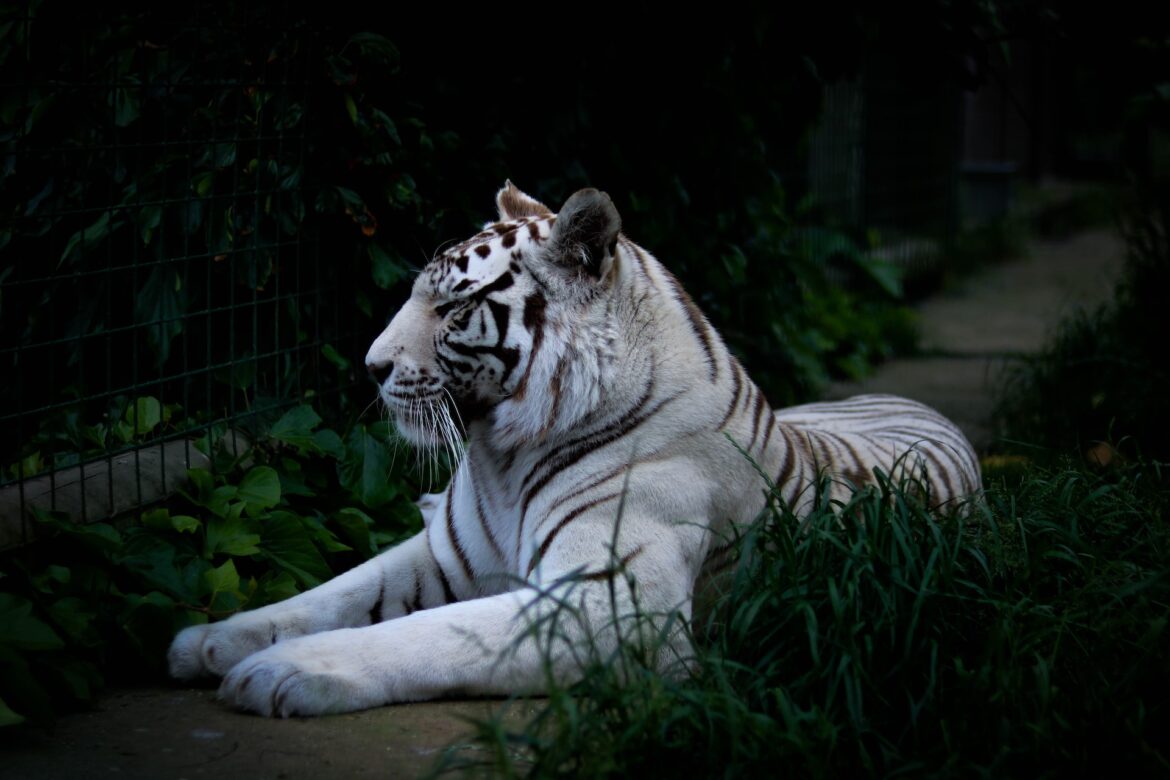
point(1104, 376)
point(1025, 636)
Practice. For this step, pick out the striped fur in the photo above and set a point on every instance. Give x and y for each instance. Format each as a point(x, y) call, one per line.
point(605, 424)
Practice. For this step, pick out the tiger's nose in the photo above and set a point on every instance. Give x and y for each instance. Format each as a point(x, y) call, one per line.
point(379, 372)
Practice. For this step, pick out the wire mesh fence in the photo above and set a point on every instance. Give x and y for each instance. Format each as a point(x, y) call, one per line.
point(184, 252)
point(163, 284)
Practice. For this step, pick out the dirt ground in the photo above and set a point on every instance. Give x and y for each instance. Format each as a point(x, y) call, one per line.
point(183, 732)
point(970, 334)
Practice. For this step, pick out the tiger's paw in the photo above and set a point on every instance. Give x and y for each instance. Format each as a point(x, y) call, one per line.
point(212, 650)
point(308, 676)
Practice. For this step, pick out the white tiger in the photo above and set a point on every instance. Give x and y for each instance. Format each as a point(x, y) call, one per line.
point(604, 421)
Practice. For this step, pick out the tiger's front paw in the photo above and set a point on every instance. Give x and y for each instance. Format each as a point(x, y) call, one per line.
point(213, 649)
point(312, 675)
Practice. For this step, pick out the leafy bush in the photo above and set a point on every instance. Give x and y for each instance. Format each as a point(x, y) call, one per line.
point(1024, 638)
point(92, 602)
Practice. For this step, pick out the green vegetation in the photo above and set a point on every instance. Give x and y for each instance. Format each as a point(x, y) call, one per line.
point(1101, 385)
point(1024, 638)
point(87, 603)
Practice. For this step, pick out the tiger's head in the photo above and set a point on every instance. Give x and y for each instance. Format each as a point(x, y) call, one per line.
point(490, 325)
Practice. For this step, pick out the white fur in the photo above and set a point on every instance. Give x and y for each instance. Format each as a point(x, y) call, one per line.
point(611, 456)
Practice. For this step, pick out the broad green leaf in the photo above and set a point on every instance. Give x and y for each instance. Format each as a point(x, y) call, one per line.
point(20, 630)
point(203, 485)
point(28, 466)
point(288, 543)
point(385, 270)
point(185, 523)
point(296, 426)
point(88, 237)
point(75, 617)
point(223, 578)
point(365, 471)
point(201, 183)
point(149, 218)
point(158, 519)
point(351, 199)
point(161, 304)
point(335, 357)
point(102, 537)
point(259, 489)
point(163, 566)
point(144, 414)
point(355, 525)
point(224, 585)
point(230, 535)
point(886, 274)
point(328, 442)
point(277, 586)
point(126, 105)
point(322, 536)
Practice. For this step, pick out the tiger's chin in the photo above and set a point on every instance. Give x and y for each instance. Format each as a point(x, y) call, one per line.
point(438, 423)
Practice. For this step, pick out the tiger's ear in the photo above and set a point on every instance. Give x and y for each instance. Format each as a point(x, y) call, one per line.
point(585, 233)
point(514, 204)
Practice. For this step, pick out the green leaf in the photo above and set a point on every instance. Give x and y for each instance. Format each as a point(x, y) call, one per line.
point(356, 524)
point(296, 426)
point(259, 489)
point(322, 536)
point(201, 183)
point(335, 357)
point(126, 105)
point(101, 537)
point(886, 274)
point(157, 519)
point(365, 471)
point(328, 442)
point(149, 218)
point(143, 415)
point(291, 179)
point(376, 47)
point(385, 271)
point(224, 578)
point(20, 630)
point(203, 483)
point(276, 587)
point(185, 524)
point(230, 535)
point(75, 617)
point(351, 199)
point(351, 108)
point(161, 304)
point(89, 237)
point(288, 544)
point(162, 566)
point(28, 466)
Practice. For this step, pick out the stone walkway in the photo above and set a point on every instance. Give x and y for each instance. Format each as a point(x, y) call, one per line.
point(969, 334)
point(973, 332)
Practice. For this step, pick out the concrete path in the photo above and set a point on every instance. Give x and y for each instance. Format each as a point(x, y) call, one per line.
point(969, 334)
point(973, 332)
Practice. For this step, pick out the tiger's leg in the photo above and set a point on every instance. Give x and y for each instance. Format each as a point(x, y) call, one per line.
point(497, 645)
point(397, 582)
